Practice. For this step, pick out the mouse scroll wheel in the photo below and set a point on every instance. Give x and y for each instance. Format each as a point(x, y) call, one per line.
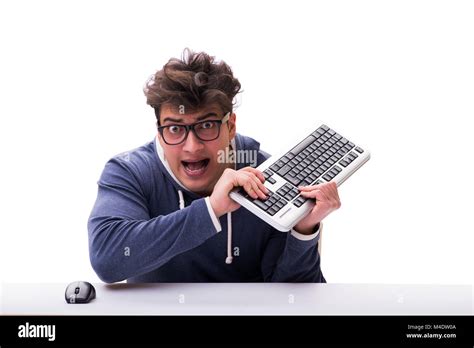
point(76, 290)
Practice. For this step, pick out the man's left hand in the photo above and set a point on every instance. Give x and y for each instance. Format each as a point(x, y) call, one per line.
point(327, 200)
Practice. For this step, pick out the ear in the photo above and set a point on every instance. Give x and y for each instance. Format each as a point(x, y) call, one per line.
point(232, 126)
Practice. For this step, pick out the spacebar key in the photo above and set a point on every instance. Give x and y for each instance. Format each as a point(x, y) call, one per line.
point(303, 145)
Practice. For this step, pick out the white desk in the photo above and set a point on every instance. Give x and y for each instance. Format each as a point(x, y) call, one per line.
point(242, 299)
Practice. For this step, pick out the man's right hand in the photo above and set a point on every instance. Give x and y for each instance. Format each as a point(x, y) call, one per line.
point(249, 178)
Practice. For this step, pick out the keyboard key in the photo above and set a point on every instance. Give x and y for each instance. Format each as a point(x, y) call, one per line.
point(293, 180)
point(294, 162)
point(301, 146)
point(299, 201)
point(282, 171)
point(352, 155)
point(271, 180)
point(327, 177)
point(342, 152)
point(260, 204)
point(348, 147)
point(320, 131)
point(274, 167)
point(272, 211)
point(280, 163)
point(359, 150)
point(267, 173)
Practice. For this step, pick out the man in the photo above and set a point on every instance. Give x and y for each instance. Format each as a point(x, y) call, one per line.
point(163, 212)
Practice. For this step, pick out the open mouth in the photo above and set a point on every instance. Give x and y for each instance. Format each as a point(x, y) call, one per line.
point(195, 168)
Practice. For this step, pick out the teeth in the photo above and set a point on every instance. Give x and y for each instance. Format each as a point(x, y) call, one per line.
point(195, 166)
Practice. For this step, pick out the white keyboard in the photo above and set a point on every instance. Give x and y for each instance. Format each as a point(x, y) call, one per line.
point(323, 155)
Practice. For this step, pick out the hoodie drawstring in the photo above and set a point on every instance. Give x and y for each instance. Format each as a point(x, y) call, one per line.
point(229, 257)
point(181, 200)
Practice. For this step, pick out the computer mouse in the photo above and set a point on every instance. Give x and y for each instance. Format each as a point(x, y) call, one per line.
point(79, 292)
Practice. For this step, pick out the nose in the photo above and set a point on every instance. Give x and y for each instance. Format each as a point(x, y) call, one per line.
point(192, 143)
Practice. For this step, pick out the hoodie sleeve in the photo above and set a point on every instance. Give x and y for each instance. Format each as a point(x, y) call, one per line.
point(124, 241)
point(289, 258)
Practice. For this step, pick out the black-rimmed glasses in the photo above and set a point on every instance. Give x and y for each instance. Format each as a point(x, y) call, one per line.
point(206, 130)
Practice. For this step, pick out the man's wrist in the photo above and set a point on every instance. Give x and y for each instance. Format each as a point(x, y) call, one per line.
point(307, 231)
point(215, 207)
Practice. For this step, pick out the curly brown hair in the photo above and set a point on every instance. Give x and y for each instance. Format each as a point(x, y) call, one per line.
point(192, 82)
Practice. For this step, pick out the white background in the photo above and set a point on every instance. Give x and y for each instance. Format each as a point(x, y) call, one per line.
point(395, 76)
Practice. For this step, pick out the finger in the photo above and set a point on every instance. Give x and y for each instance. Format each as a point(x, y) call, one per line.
point(318, 195)
point(258, 177)
point(309, 188)
point(319, 186)
point(259, 183)
point(248, 187)
point(311, 194)
point(259, 187)
point(330, 191)
point(251, 185)
point(255, 171)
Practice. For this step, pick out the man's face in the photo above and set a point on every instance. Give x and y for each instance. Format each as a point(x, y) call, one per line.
point(194, 161)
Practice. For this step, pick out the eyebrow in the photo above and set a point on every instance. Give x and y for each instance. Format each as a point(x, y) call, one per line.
point(209, 114)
